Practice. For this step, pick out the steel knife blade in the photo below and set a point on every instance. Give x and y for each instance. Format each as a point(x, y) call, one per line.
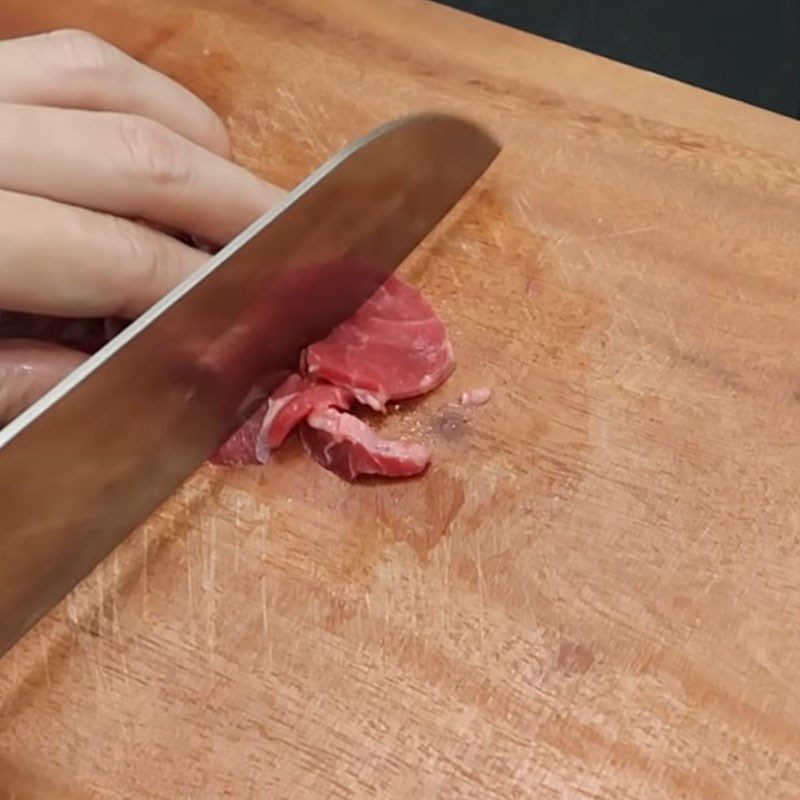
point(91, 460)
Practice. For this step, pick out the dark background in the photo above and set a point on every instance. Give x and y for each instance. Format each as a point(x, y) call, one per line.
point(741, 48)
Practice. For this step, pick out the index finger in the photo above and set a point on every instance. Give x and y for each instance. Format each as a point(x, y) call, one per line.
point(76, 69)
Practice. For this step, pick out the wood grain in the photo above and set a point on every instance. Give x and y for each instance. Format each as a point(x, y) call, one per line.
point(594, 594)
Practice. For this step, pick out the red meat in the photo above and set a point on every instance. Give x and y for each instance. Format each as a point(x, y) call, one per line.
point(347, 446)
point(240, 449)
point(290, 404)
point(393, 348)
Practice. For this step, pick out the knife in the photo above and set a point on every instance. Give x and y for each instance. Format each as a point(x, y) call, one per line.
point(86, 464)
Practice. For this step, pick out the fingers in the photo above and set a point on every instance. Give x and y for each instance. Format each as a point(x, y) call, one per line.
point(75, 69)
point(129, 166)
point(71, 262)
point(28, 369)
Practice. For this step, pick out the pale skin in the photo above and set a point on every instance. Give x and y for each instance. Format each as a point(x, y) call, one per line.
point(91, 140)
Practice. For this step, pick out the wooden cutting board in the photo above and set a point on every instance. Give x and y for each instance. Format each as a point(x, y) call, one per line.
point(594, 593)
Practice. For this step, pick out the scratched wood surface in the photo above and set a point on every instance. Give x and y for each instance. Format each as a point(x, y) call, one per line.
point(594, 593)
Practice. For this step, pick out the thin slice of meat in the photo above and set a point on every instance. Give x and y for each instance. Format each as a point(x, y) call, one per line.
point(393, 348)
point(479, 396)
point(240, 449)
point(275, 419)
point(347, 446)
point(290, 404)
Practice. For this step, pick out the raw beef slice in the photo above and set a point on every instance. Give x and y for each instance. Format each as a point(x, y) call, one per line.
point(394, 347)
point(240, 449)
point(347, 446)
point(268, 428)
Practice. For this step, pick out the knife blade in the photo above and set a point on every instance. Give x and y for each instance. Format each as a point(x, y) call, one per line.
point(85, 465)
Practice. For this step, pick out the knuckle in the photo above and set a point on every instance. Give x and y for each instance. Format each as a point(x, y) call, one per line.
point(149, 269)
point(153, 153)
point(78, 53)
point(147, 252)
point(220, 137)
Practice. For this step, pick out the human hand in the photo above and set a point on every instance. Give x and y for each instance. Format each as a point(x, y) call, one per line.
point(90, 142)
